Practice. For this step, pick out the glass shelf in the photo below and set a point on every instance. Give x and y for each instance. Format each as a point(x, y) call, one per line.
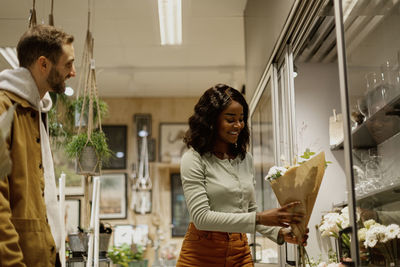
point(376, 198)
point(378, 128)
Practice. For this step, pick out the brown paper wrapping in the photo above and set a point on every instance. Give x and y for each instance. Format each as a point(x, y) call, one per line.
point(301, 183)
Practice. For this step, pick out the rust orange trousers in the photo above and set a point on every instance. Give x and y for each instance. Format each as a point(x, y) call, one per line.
point(214, 249)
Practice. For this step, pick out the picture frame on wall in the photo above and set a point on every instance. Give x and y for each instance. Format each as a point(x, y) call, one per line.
point(179, 211)
point(117, 142)
point(171, 146)
point(113, 196)
point(73, 215)
point(123, 234)
point(142, 121)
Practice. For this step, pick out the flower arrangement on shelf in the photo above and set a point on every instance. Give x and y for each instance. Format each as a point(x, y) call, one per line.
point(380, 240)
point(333, 222)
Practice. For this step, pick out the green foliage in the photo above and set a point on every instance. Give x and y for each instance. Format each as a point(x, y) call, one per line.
point(125, 253)
point(98, 141)
point(61, 116)
point(76, 106)
point(308, 154)
point(275, 176)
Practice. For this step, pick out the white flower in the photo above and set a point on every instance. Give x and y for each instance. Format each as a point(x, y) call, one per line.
point(323, 264)
point(333, 265)
point(369, 223)
point(275, 172)
point(380, 232)
point(362, 234)
point(370, 241)
point(392, 231)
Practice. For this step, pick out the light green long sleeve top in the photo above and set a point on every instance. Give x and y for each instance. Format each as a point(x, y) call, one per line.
point(220, 194)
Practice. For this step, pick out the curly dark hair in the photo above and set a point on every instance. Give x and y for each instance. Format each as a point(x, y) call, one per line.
point(202, 124)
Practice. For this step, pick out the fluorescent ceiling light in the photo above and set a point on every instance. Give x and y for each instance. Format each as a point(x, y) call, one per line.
point(170, 17)
point(10, 55)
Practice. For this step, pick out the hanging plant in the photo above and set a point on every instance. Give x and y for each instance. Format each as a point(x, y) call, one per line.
point(89, 146)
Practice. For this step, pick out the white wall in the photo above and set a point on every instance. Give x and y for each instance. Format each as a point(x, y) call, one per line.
point(317, 93)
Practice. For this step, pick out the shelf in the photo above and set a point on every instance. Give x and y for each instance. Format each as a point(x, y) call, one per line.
point(380, 197)
point(378, 128)
point(377, 198)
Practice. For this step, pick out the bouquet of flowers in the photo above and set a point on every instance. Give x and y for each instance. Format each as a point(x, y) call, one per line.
point(299, 183)
point(5, 126)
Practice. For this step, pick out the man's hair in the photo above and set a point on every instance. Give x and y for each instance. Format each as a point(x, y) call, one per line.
point(203, 123)
point(42, 40)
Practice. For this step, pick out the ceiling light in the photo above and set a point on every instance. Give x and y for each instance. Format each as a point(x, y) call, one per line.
point(170, 17)
point(69, 91)
point(10, 55)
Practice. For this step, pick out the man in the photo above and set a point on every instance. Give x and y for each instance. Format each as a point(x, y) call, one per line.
point(29, 217)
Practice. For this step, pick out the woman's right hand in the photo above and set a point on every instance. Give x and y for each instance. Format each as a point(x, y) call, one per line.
point(280, 216)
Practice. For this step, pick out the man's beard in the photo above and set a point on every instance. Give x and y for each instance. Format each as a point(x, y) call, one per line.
point(56, 81)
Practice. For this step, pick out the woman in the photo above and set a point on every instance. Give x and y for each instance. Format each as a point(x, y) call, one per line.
point(218, 183)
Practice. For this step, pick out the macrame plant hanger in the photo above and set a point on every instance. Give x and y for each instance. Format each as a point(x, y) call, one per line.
point(32, 17)
point(51, 16)
point(87, 89)
point(143, 183)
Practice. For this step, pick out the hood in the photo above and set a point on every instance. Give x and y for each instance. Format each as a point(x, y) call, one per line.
point(20, 82)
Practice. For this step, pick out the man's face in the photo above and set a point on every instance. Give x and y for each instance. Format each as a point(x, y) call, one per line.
point(63, 70)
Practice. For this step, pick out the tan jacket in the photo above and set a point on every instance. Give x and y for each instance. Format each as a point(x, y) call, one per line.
point(25, 235)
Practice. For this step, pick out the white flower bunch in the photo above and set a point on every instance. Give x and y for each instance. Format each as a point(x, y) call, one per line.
point(333, 222)
point(275, 172)
point(375, 233)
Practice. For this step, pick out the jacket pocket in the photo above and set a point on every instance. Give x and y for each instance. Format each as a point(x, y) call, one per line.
point(31, 241)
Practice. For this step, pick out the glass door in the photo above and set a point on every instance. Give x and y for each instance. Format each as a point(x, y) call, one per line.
point(368, 41)
point(263, 148)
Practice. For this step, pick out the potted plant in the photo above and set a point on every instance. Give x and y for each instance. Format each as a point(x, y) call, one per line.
point(89, 152)
point(128, 255)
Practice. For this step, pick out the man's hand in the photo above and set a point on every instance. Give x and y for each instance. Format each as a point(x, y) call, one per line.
point(280, 216)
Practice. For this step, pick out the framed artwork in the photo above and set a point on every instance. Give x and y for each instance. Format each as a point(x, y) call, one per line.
point(123, 234)
point(171, 141)
point(140, 235)
point(116, 136)
point(142, 121)
point(113, 196)
point(72, 215)
point(74, 183)
point(179, 211)
point(151, 148)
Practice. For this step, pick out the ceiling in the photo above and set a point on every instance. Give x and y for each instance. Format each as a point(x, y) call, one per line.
point(130, 62)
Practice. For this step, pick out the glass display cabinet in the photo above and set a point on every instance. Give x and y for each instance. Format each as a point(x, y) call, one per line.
point(368, 45)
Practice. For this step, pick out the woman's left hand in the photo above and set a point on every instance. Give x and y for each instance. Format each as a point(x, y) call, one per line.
point(289, 237)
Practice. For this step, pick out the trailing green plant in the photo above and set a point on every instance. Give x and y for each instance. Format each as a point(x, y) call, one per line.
point(126, 253)
point(61, 117)
point(76, 107)
point(98, 141)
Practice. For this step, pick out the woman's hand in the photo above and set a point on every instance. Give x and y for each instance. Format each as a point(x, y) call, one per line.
point(279, 216)
point(289, 237)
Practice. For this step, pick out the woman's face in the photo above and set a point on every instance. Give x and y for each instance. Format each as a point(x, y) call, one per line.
point(230, 122)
